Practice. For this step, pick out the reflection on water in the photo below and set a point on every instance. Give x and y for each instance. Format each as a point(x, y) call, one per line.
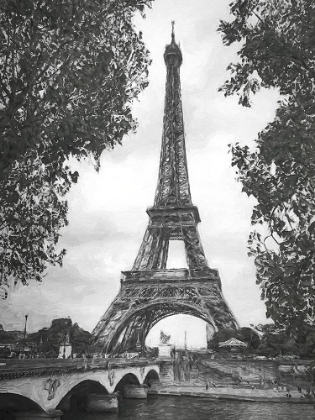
point(189, 408)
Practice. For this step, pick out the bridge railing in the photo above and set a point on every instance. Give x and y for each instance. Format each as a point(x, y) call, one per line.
point(26, 365)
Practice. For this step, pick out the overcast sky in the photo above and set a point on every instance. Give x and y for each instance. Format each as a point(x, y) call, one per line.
point(107, 209)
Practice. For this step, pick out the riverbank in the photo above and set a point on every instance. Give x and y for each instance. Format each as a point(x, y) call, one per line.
point(232, 393)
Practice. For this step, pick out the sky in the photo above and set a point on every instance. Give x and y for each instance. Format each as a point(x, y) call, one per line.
point(107, 209)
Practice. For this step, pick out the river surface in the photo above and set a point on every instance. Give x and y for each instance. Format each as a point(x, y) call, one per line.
point(189, 408)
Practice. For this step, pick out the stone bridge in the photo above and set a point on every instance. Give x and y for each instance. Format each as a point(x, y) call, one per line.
point(44, 387)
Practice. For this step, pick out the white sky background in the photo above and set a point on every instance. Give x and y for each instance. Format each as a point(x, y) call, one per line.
point(107, 209)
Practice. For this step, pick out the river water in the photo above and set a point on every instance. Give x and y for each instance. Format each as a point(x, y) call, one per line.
point(189, 408)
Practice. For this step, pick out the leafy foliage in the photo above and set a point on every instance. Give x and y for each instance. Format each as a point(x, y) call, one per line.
point(48, 340)
point(279, 342)
point(69, 72)
point(277, 50)
point(60, 330)
point(31, 217)
point(245, 334)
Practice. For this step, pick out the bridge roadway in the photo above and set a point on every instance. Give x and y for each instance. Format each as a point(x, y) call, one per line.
point(44, 384)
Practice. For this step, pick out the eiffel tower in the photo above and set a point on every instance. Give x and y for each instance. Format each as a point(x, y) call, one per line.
point(150, 292)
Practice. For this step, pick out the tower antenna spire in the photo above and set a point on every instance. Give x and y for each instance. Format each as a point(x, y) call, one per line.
point(173, 32)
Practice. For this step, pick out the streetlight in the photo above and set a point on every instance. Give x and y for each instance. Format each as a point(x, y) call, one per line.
point(26, 316)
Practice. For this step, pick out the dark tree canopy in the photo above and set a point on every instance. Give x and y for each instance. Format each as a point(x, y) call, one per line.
point(32, 214)
point(277, 50)
point(70, 70)
point(246, 335)
point(275, 341)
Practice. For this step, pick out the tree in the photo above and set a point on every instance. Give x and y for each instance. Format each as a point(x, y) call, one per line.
point(274, 342)
point(277, 50)
point(245, 334)
point(69, 73)
point(249, 336)
point(31, 216)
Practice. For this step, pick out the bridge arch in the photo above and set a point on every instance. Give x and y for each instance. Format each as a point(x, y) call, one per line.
point(151, 377)
point(127, 379)
point(133, 327)
point(77, 398)
point(72, 384)
point(11, 400)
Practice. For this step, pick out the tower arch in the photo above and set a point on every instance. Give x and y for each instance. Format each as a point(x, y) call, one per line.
point(132, 329)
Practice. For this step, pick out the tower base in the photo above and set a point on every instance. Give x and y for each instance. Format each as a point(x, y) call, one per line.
point(147, 297)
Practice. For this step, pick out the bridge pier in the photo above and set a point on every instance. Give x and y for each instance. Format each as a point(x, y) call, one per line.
point(135, 391)
point(102, 403)
point(53, 415)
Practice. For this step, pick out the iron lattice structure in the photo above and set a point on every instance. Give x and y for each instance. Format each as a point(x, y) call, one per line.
point(150, 292)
